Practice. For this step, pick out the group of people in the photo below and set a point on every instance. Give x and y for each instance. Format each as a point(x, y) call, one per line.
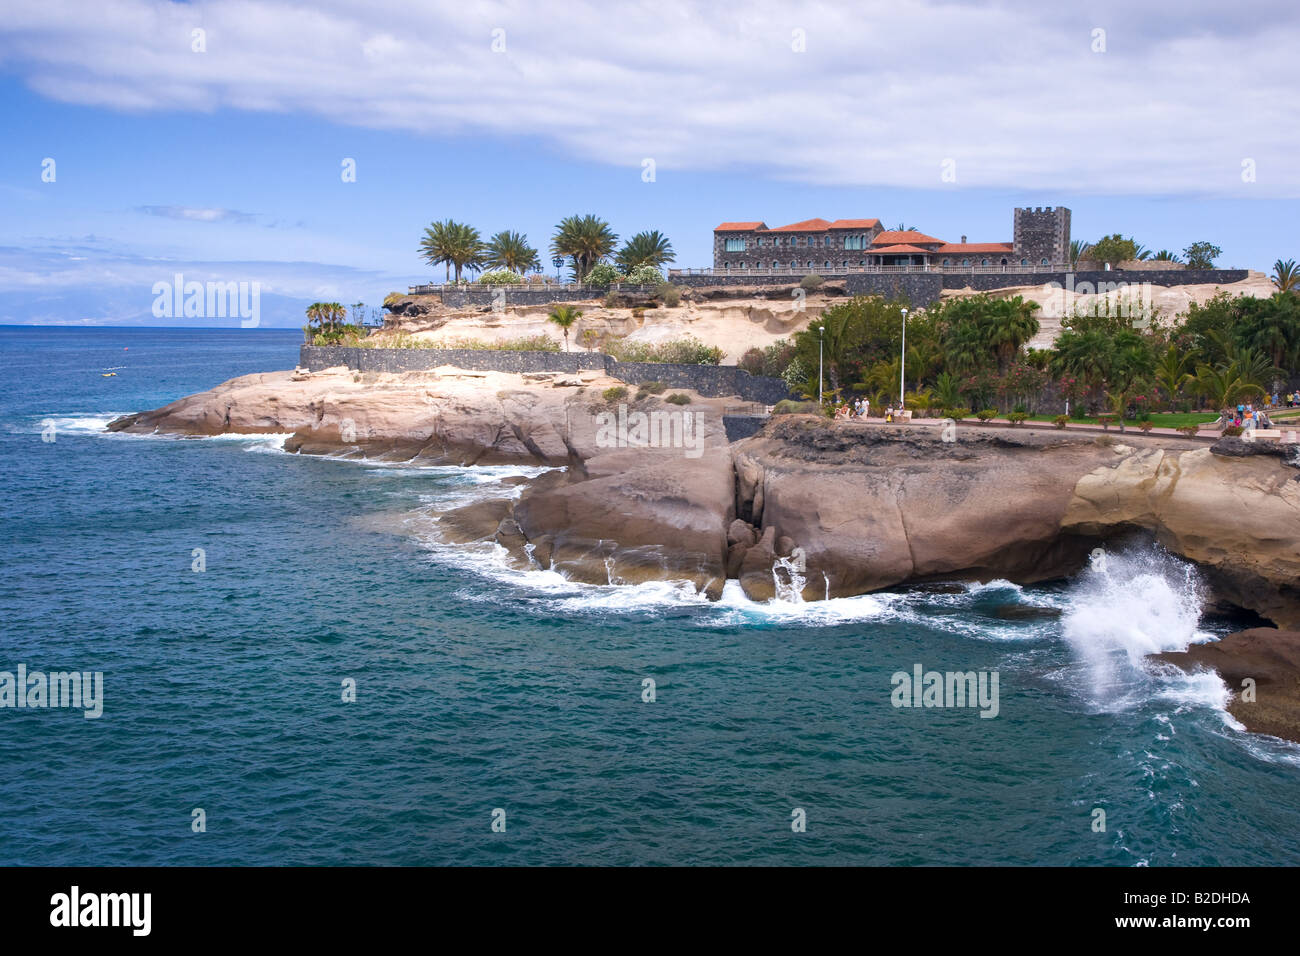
point(858, 408)
point(861, 408)
point(1248, 416)
point(1292, 399)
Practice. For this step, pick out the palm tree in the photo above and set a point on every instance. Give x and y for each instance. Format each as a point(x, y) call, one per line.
point(1273, 326)
point(335, 313)
point(1164, 255)
point(585, 239)
point(454, 244)
point(904, 228)
point(947, 390)
point(1078, 249)
point(645, 249)
point(1224, 386)
point(1173, 371)
point(1141, 252)
point(510, 250)
point(1011, 325)
point(564, 316)
point(1286, 276)
point(326, 315)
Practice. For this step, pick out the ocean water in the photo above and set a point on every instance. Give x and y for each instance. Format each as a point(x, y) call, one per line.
point(479, 688)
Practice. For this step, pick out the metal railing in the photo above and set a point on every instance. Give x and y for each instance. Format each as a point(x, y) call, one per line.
point(441, 288)
point(876, 270)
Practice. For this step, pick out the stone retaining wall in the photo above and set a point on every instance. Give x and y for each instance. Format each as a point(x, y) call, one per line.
point(711, 381)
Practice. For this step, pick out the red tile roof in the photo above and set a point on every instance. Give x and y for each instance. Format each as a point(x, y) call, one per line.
point(896, 250)
point(895, 237)
point(808, 225)
point(971, 247)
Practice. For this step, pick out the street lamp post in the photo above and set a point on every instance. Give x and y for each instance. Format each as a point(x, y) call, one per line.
point(557, 262)
point(902, 361)
point(821, 338)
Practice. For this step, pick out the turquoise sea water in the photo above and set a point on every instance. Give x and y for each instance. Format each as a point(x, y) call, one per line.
point(480, 688)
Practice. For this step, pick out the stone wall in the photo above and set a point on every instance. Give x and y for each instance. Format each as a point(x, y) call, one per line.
point(711, 381)
point(918, 288)
point(828, 246)
point(1042, 233)
point(525, 295)
point(985, 282)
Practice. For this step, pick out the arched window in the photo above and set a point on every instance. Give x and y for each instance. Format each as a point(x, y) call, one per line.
point(1024, 262)
point(947, 262)
point(1004, 261)
point(793, 264)
point(826, 264)
point(775, 264)
point(742, 265)
point(985, 262)
point(862, 262)
point(810, 263)
point(965, 262)
point(1044, 262)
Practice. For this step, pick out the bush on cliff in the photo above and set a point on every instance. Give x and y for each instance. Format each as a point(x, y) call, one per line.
point(811, 282)
point(615, 394)
point(751, 362)
point(678, 398)
point(687, 350)
point(788, 407)
point(670, 295)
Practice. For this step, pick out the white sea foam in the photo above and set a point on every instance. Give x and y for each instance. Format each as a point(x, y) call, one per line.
point(1128, 605)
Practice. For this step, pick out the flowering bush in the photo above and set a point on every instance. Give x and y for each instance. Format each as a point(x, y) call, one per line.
point(643, 275)
point(602, 273)
point(500, 277)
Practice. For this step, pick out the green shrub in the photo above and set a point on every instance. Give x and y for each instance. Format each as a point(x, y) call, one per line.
point(615, 394)
point(677, 398)
point(1021, 408)
point(1232, 431)
point(811, 282)
point(602, 273)
point(1060, 421)
point(652, 387)
point(391, 298)
point(957, 414)
point(500, 277)
point(751, 362)
point(788, 407)
point(1017, 418)
point(670, 295)
point(527, 343)
point(644, 275)
point(684, 351)
point(1189, 430)
point(986, 414)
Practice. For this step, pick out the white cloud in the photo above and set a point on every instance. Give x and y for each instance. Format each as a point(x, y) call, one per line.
point(196, 213)
point(885, 91)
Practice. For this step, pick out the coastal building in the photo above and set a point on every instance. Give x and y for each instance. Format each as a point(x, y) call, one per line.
point(1040, 240)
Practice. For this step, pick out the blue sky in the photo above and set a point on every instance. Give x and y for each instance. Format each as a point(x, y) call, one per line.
point(225, 163)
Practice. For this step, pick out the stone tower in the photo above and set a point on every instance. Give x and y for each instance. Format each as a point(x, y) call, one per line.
point(1043, 233)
